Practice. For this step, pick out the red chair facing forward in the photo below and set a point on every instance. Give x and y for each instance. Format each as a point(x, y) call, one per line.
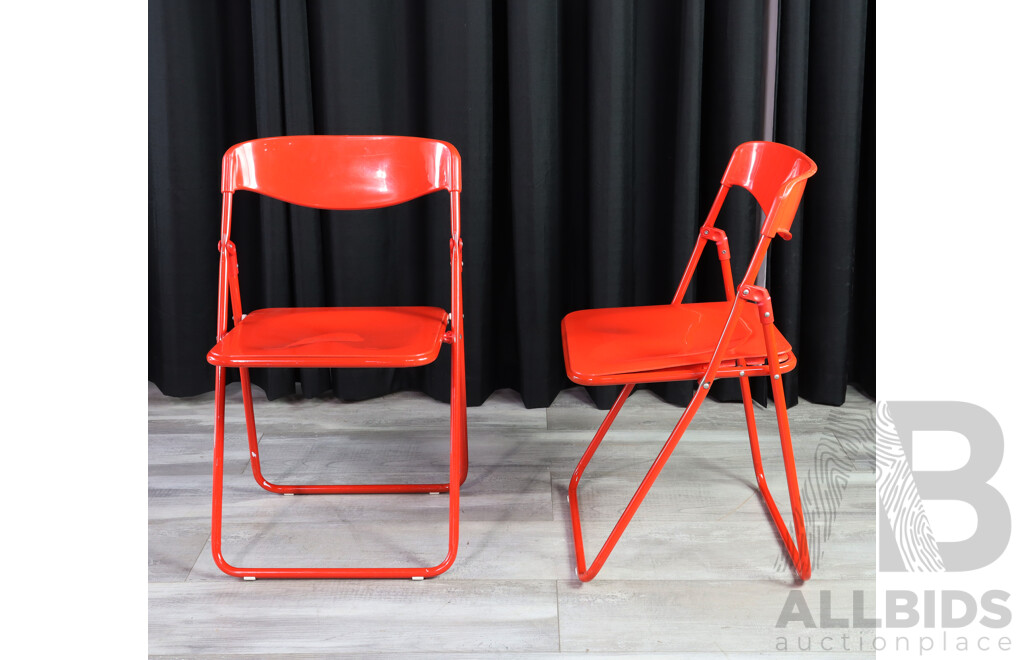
point(338, 173)
point(700, 341)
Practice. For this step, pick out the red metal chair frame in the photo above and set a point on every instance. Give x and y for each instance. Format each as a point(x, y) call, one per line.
point(776, 175)
point(338, 173)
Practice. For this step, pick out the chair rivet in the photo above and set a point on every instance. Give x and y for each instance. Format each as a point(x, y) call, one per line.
point(743, 373)
point(707, 385)
point(705, 232)
point(724, 252)
point(746, 292)
point(767, 314)
point(776, 376)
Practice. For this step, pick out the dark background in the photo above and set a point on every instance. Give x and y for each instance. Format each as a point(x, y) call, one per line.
point(593, 137)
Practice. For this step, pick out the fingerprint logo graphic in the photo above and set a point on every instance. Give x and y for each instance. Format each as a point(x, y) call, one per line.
point(855, 441)
point(900, 500)
point(847, 445)
point(906, 538)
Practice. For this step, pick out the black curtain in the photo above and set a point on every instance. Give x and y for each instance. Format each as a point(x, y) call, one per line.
point(593, 137)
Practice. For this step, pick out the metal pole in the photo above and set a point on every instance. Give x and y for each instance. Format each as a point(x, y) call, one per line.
point(771, 57)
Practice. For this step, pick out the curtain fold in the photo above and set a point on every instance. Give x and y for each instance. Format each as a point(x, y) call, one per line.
point(593, 137)
point(822, 78)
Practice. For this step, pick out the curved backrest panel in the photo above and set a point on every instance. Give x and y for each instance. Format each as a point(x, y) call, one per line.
point(775, 175)
point(342, 172)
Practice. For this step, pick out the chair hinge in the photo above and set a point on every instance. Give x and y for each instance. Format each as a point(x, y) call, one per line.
point(721, 241)
point(451, 246)
point(759, 296)
point(228, 250)
point(449, 337)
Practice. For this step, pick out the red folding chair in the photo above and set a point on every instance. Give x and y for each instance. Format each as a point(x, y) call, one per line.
point(340, 173)
point(700, 341)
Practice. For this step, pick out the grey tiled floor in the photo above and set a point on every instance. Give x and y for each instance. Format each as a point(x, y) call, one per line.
point(699, 573)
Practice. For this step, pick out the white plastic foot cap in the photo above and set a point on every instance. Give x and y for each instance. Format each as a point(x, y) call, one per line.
point(249, 577)
point(418, 577)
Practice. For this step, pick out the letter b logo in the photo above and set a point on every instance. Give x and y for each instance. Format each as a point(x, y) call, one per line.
point(906, 543)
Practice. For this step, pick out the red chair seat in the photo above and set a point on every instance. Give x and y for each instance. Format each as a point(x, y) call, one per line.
point(659, 342)
point(334, 337)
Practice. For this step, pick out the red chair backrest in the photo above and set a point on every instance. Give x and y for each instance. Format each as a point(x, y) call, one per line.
point(342, 172)
point(775, 175)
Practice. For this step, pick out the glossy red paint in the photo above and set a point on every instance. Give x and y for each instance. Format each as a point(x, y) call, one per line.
point(700, 341)
point(334, 337)
point(340, 173)
point(602, 344)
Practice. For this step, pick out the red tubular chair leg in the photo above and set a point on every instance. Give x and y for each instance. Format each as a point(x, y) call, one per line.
point(598, 437)
point(458, 355)
point(462, 429)
point(589, 453)
point(798, 553)
point(748, 409)
point(218, 466)
point(320, 489)
point(574, 482)
point(455, 471)
point(587, 574)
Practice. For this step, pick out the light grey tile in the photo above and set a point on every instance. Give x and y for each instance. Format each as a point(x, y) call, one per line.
point(354, 616)
point(174, 547)
point(730, 550)
point(181, 454)
point(684, 494)
point(703, 524)
point(488, 550)
point(710, 616)
point(487, 494)
point(736, 548)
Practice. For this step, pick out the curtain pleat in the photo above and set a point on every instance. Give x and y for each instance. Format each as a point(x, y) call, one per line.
point(821, 111)
point(593, 137)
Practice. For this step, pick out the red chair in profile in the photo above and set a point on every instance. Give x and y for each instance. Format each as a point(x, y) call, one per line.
point(338, 173)
point(700, 341)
